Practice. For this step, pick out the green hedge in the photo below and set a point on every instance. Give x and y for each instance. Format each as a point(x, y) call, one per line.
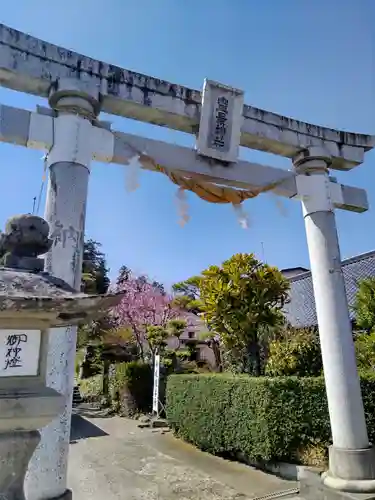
point(265, 419)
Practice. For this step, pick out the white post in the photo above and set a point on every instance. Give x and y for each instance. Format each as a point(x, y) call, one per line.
point(155, 397)
point(352, 465)
point(69, 170)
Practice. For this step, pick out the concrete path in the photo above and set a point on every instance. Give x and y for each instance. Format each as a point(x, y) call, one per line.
point(111, 458)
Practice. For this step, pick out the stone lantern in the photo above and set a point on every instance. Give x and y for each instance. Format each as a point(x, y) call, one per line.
point(31, 302)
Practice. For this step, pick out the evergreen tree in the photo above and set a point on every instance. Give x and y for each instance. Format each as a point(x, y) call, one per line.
point(95, 280)
point(94, 269)
point(159, 286)
point(123, 275)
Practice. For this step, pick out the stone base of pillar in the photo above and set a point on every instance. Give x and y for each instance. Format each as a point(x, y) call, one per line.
point(16, 449)
point(351, 470)
point(68, 495)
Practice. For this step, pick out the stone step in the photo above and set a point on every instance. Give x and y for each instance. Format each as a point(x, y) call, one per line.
point(77, 398)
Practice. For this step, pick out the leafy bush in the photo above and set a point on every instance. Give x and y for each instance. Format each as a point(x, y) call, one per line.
point(91, 388)
point(240, 299)
point(264, 419)
point(80, 354)
point(91, 362)
point(131, 388)
point(183, 354)
point(364, 304)
point(296, 354)
point(365, 351)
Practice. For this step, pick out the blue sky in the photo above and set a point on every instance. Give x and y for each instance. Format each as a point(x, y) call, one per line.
point(309, 59)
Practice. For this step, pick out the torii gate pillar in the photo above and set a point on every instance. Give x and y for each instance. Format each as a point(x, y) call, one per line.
point(351, 457)
point(69, 171)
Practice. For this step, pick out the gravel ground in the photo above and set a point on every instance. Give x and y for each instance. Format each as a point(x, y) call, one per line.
point(111, 458)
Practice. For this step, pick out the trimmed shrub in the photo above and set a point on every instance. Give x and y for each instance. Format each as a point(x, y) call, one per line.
point(131, 388)
point(264, 419)
point(91, 388)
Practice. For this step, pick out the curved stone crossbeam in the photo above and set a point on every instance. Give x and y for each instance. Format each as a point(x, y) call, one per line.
point(30, 65)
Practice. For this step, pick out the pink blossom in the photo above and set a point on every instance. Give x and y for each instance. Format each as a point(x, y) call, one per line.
point(143, 305)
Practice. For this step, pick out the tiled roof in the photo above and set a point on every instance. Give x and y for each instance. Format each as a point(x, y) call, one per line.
point(300, 311)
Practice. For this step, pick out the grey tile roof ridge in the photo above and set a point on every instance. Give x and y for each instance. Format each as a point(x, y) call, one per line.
point(344, 263)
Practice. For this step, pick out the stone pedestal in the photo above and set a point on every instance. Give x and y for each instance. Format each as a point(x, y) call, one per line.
point(313, 488)
point(22, 411)
point(351, 470)
point(16, 449)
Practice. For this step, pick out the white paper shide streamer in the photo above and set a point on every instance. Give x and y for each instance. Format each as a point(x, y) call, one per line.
point(182, 206)
point(132, 174)
point(280, 205)
point(242, 216)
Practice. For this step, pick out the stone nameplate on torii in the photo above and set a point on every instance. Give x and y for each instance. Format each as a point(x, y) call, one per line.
point(220, 123)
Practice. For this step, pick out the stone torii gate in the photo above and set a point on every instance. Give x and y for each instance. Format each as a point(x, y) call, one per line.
point(78, 88)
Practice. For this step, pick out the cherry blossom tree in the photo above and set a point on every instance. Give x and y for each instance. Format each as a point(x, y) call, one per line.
point(143, 306)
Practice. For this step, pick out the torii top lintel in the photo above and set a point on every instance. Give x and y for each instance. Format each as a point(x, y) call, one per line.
point(30, 65)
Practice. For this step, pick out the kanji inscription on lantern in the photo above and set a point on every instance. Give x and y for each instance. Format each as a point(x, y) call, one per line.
point(19, 352)
point(220, 122)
